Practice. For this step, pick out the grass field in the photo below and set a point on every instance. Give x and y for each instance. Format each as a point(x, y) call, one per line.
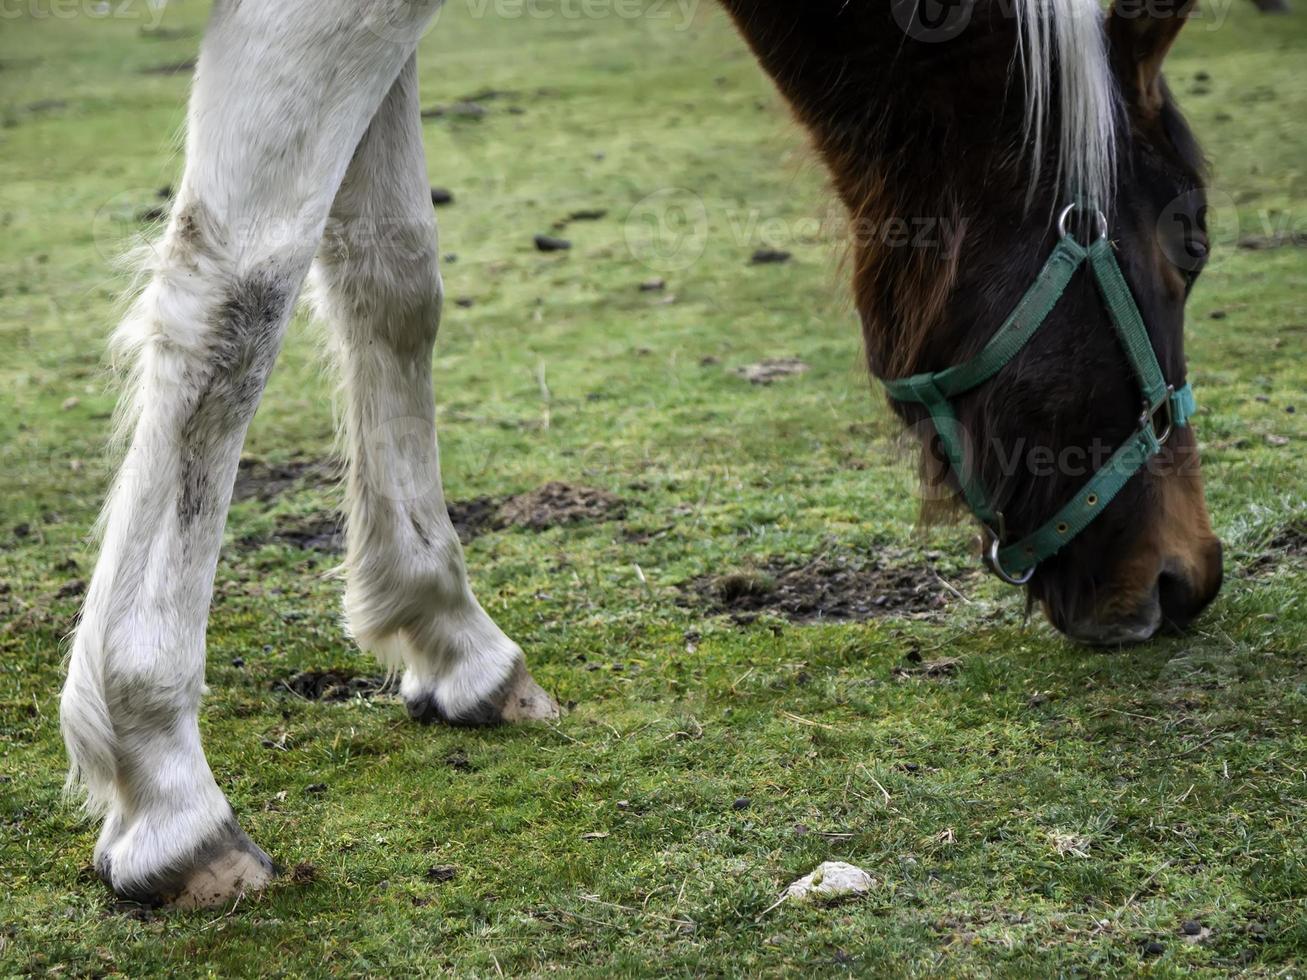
point(1029, 808)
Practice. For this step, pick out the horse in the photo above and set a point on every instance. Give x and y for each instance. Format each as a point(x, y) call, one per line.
point(1042, 128)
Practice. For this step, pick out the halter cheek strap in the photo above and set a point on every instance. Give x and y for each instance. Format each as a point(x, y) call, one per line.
point(1016, 562)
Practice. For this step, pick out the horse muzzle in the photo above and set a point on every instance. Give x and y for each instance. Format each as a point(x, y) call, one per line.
point(1178, 593)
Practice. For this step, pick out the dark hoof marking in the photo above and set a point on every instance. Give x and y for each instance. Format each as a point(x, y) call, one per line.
point(427, 711)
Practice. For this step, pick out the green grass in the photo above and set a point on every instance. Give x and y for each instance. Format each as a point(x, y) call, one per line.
point(1041, 811)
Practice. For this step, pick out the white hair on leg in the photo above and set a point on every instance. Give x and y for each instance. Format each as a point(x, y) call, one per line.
point(283, 93)
point(377, 283)
point(1068, 36)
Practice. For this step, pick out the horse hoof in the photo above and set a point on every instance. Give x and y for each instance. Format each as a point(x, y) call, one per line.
point(518, 699)
point(221, 871)
point(525, 700)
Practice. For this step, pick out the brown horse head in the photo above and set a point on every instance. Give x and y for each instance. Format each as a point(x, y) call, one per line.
point(954, 146)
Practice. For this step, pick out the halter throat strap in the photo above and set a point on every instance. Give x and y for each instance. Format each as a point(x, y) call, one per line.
point(1164, 407)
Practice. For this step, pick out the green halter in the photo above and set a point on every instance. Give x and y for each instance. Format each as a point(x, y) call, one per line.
point(1015, 563)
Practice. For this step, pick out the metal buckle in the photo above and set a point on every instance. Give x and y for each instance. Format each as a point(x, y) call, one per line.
point(1065, 232)
point(990, 556)
point(992, 562)
point(1149, 416)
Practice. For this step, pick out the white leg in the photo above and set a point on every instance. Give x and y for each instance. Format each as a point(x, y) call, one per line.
point(378, 285)
point(283, 93)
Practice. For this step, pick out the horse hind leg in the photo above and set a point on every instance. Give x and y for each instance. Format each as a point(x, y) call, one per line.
point(283, 93)
point(377, 284)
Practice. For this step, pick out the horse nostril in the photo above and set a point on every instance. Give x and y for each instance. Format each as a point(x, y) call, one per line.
point(1183, 597)
point(1177, 596)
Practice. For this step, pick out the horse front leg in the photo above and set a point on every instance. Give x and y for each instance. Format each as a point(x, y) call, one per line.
point(283, 94)
point(407, 597)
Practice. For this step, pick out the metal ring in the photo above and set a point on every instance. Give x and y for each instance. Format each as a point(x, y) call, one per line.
point(998, 570)
point(1065, 232)
point(1149, 418)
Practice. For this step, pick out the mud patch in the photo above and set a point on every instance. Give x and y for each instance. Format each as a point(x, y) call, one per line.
point(840, 589)
point(552, 505)
point(324, 533)
point(556, 504)
point(258, 480)
point(474, 517)
point(303, 873)
point(335, 685)
point(1288, 544)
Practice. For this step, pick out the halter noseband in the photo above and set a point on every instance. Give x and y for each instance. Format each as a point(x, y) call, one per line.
point(1015, 563)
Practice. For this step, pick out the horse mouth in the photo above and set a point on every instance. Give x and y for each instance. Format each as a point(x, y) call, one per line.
point(1139, 627)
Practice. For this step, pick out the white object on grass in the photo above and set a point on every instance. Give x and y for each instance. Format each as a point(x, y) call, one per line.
point(831, 880)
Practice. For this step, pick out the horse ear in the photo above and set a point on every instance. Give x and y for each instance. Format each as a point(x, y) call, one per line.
point(1141, 33)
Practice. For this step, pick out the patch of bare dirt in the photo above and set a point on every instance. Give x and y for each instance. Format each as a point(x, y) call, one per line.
point(1289, 544)
point(258, 480)
point(303, 873)
point(339, 684)
point(826, 588)
point(552, 505)
point(473, 517)
point(556, 503)
point(325, 533)
point(1291, 540)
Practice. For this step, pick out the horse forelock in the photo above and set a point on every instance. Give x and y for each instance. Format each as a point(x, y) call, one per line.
point(1062, 52)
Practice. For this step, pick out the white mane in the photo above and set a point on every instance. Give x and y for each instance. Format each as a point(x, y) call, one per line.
point(1067, 36)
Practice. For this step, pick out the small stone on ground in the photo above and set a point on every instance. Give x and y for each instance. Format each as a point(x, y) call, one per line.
point(548, 243)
